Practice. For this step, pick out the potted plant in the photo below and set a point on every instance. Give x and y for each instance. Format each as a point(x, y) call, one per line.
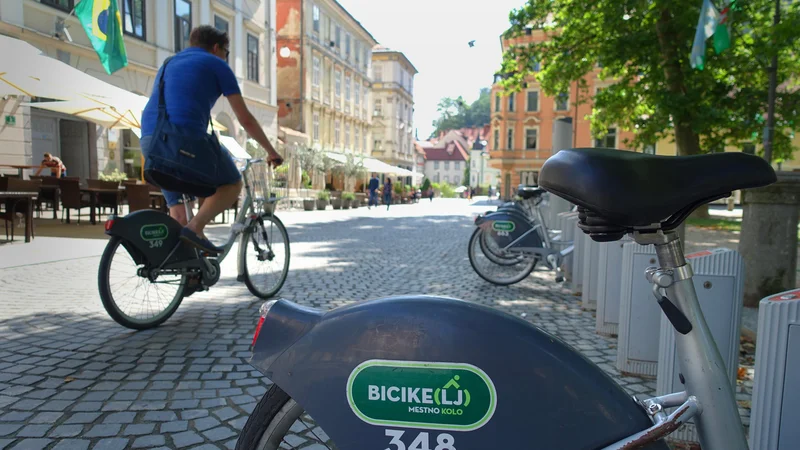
point(309, 204)
point(323, 198)
point(336, 202)
point(347, 199)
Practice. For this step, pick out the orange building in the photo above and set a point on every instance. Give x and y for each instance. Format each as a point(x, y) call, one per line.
point(521, 137)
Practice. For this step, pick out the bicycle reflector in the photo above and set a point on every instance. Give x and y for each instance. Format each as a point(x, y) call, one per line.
point(109, 222)
point(263, 311)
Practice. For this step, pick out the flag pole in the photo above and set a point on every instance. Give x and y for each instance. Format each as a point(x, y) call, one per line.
point(769, 135)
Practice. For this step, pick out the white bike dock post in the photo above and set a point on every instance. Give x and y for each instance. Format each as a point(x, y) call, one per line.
point(609, 284)
point(568, 221)
point(775, 413)
point(591, 262)
point(639, 314)
point(577, 259)
point(719, 282)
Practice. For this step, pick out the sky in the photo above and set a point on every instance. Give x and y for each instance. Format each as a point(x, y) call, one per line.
point(434, 36)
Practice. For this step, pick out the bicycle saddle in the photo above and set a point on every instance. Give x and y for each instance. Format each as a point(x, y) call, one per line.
point(527, 192)
point(617, 191)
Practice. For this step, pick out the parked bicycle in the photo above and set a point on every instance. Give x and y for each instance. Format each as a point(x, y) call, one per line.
point(146, 270)
point(443, 374)
point(507, 244)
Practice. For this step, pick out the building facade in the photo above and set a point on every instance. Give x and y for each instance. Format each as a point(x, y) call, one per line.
point(393, 108)
point(324, 74)
point(153, 31)
point(447, 159)
point(521, 136)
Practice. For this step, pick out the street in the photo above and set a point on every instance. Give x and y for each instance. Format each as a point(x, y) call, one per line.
point(71, 378)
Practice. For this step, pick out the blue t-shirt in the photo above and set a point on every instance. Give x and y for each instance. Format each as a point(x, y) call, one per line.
point(194, 81)
point(374, 184)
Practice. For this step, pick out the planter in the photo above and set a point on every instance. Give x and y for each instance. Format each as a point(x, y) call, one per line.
point(345, 204)
point(336, 203)
point(322, 204)
point(355, 203)
point(308, 205)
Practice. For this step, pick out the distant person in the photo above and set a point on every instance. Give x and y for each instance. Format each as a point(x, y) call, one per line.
point(430, 193)
point(54, 163)
point(387, 193)
point(374, 184)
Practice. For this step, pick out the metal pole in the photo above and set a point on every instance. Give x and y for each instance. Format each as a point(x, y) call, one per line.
point(769, 136)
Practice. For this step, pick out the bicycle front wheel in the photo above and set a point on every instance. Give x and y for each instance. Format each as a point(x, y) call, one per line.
point(279, 422)
point(265, 256)
point(500, 274)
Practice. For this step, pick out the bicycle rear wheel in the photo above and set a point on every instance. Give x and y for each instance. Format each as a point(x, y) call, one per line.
point(499, 274)
point(132, 300)
point(265, 256)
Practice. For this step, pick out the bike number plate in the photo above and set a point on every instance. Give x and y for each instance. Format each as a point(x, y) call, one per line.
point(423, 440)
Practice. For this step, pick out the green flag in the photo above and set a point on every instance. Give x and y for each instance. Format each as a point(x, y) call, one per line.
point(103, 24)
point(714, 23)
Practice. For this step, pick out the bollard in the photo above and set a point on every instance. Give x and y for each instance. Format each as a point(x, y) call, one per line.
point(568, 227)
point(609, 283)
point(775, 411)
point(577, 260)
point(591, 262)
point(719, 282)
point(639, 314)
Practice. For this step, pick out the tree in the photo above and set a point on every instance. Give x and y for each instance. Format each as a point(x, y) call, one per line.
point(455, 113)
point(644, 48)
point(426, 184)
point(467, 172)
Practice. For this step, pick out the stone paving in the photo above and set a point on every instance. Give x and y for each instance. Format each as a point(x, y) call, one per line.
point(71, 378)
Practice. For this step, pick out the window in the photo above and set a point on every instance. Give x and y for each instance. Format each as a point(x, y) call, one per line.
point(329, 30)
point(377, 73)
point(749, 148)
point(64, 5)
point(376, 145)
point(531, 135)
point(315, 128)
point(411, 85)
point(533, 101)
point(510, 139)
point(252, 58)
point(338, 77)
point(447, 165)
point(315, 18)
point(496, 140)
point(511, 102)
point(562, 102)
point(222, 25)
point(347, 83)
point(649, 149)
point(457, 179)
point(497, 103)
point(364, 141)
point(436, 165)
point(338, 37)
point(315, 70)
point(609, 141)
point(347, 46)
point(355, 140)
point(402, 77)
point(328, 82)
point(378, 108)
point(358, 53)
point(457, 165)
point(366, 58)
point(336, 133)
point(447, 178)
point(529, 178)
point(346, 135)
point(133, 15)
point(357, 92)
point(183, 24)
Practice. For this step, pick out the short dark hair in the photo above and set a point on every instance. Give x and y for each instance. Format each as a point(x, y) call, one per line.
point(206, 36)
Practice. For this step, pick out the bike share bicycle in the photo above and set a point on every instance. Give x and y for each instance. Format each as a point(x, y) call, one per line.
point(507, 244)
point(422, 373)
point(146, 251)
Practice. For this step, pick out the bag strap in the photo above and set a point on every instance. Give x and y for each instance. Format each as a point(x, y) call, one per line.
point(162, 104)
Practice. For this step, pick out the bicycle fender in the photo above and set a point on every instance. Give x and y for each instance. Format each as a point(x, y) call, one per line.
point(443, 373)
point(506, 227)
point(149, 236)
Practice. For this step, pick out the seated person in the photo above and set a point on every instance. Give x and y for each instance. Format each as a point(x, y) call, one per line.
point(54, 163)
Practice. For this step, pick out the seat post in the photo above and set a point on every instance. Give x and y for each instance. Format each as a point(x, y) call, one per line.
point(719, 424)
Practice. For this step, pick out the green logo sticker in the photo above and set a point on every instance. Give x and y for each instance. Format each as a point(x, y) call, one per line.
point(503, 225)
point(427, 395)
point(154, 232)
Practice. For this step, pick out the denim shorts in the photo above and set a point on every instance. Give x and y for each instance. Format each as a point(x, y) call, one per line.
point(226, 173)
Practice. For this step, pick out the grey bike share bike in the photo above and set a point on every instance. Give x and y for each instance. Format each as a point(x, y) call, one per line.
point(507, 244)
point(431, 373)
point(146, 270)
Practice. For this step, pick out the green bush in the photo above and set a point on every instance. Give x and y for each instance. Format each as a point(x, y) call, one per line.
point(436, 186)
point(348, 196)
point(448, 191)
point(426, 184)
point(116, 175)
point(398, 188)
point(324, 195)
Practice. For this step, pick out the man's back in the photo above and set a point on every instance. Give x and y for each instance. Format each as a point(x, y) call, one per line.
point(373, 184)
point(194, 80)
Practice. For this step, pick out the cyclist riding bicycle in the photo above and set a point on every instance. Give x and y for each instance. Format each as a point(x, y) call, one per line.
point(181, 157)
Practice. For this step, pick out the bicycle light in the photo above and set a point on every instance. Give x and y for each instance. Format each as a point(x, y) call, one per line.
point(109, 222)
point(263, 311)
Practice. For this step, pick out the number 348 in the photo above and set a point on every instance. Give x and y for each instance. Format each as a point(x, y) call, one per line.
point(444, 441)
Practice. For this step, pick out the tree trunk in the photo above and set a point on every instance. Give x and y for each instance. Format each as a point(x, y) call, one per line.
point(686, 140)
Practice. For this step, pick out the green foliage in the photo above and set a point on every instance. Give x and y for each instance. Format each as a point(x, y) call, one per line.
point(348, 196)
point(454, 113)
point(644, 47)
point(116, 175)
point(426, 184)
point(715, 224)
point(448, 191)
point(436, 186)
point(397, 188)
point(324, 195)
point(467, 172)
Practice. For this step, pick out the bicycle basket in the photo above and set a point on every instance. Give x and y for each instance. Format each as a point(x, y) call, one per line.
point(261, 187)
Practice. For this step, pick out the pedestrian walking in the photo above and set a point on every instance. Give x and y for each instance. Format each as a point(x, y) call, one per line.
point(387, 193)
point(374, 184)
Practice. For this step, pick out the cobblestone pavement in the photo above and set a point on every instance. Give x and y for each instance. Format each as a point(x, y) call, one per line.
point(71, 378)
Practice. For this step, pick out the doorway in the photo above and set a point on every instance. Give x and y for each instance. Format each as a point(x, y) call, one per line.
point(74, 136)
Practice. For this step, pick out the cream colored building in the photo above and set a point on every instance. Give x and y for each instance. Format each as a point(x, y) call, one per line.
point(154, 30)
point(324, 81)
point(393, 108)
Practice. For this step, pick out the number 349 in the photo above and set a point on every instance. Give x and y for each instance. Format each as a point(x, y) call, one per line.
point(444, 441)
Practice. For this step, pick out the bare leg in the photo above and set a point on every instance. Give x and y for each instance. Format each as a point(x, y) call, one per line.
point(178, 212)
point(214, 205)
